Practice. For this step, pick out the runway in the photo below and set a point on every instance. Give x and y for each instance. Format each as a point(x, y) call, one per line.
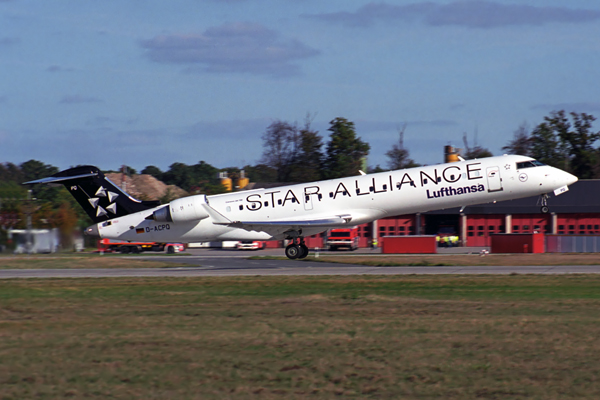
point(230, 265)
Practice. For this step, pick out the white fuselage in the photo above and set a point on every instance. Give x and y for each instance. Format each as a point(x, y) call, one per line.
point(361, 199)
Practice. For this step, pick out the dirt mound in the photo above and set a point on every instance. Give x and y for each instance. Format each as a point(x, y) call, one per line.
point(146, 187)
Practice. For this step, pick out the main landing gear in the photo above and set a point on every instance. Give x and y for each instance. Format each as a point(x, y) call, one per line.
point(296, 249)
point(543, 201)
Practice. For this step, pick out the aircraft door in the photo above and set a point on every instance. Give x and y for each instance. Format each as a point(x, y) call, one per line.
point(494, 180)
point(308, 203)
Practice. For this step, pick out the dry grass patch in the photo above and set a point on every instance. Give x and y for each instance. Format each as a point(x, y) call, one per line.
point(73, 261)
point(463, 259)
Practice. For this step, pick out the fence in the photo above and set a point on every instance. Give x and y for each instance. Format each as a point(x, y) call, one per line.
point(572, 244)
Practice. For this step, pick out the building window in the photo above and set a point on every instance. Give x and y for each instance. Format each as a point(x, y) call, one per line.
point(480, 228)
point(561, 227)
point(525, 227)
point(515, 227)
point(470, 228)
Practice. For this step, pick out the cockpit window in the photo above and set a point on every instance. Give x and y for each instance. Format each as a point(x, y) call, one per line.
point(529, 164)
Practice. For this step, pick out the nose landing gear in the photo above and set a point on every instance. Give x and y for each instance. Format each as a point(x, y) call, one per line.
point(297, 249)
point(543, 202)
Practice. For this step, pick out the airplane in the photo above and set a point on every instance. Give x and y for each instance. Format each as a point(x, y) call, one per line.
point(299, 210)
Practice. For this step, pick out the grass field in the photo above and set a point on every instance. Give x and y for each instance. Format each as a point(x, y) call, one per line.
point(408, 337)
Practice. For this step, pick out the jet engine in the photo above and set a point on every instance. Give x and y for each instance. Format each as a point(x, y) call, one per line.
point(186, 209)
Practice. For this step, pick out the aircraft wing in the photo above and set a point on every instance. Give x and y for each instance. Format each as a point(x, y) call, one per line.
point(280, 226)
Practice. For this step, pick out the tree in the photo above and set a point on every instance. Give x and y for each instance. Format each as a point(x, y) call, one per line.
point(179, 174)
point(260, 173)
point(578, 141)
point(476, 151)
point(398, 156)
point(203, 171)
point(281, 144)
point(345, 151)
point(521, 143)
point(32, 170)
point(308, 163)
point(65, 219)
point(545, 146)
point(153, 171)
point(9, 172)
point(567, 144)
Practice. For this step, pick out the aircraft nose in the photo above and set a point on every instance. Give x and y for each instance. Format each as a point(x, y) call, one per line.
point(569, 179)
point(92, 230)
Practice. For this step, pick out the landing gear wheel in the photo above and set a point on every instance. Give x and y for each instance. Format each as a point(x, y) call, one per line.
point(303, 251)
point(543, 201)
point(545, 209)
point(293, 251)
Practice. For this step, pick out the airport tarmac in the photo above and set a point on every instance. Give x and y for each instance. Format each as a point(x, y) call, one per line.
point(208, 262)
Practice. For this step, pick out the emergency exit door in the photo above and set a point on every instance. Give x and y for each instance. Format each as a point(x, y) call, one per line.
point(494, 180)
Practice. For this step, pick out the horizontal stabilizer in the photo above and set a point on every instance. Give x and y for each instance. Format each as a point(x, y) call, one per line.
point(61, 179)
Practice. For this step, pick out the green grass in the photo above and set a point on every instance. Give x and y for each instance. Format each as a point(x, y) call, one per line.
point(409, 337)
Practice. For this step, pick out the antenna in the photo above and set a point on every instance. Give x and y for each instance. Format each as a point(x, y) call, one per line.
point(401, 133)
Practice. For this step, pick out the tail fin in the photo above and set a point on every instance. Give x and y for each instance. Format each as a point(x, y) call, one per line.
point(100, 198)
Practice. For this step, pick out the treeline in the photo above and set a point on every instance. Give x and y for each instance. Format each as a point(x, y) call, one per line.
point(298, 153)
point(291, 154)
point(563, 141)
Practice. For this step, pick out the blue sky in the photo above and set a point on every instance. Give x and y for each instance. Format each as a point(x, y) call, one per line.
point(149, 82)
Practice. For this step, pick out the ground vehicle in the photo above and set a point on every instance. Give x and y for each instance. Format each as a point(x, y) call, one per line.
point(343, 238)
point(250, 245)
point(109, 245)
point(446, 236)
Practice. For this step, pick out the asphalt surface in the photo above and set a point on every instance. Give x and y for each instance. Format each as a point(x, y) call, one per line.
point(234, 263)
